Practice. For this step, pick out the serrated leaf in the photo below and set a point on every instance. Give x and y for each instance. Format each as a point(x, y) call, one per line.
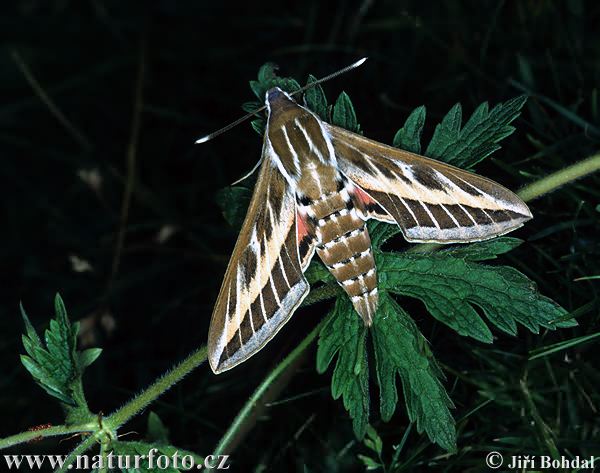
point(452, 287)
point(267, 79)
point(315, 100)
point(57, 367)
point(478, 138)
point(233, 201)
point(344, 114)
point(400, 349)
point(409, 136)
point(446, 133)
point(344, 335)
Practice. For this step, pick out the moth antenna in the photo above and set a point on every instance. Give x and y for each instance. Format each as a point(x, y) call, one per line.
point(214, 134)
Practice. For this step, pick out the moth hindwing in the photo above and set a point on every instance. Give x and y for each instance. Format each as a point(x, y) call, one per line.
point(317, 186)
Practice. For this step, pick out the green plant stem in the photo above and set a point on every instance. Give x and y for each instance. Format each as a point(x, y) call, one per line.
point(80, 449)
point(30, 435)
point(240, 425)
point(161, 385)
point(559, 178)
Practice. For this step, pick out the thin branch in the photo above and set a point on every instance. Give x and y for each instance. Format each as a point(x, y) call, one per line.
point(45, 98)
point(131, 162)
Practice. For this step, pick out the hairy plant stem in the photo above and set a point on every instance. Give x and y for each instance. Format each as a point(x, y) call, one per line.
point(32, 435)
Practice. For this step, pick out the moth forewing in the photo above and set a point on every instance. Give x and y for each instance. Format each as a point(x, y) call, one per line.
point(431, 201)
point(263, 283)
point(317, 186)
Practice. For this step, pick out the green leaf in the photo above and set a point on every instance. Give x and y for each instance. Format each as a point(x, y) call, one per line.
point(317, 272)
point(344, 335)
point(267, 79)
point(478, 138)
point(373, 440)
point(87, 357)
point(370, 463)
point(409, 136)
point(157, 431)
point(452, 287)
point(381, 232)
point(344, 114)
point(401, 349)
point(142, 450)
point(234, 201)
point(315, 100)
point(259, 126)
point(57, 367)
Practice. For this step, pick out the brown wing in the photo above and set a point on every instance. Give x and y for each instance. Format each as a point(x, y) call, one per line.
point(429, 200)
point(264, 281)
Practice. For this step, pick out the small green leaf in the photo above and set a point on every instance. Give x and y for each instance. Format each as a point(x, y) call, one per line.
point(157, 431)
point(373, 440)
point(478, 138)
point(344, 114)
point(409, 136)
point(57, 367)
point(251, 106)
point(87, 357)
point(370, 463)
point(234, 201)
point(259, 126)
point(401, 349)
point(315, 100)
point(142, 451)
point(344, 335)
point(446, 133)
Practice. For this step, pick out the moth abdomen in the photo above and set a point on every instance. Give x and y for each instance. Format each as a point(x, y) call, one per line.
point(344, 246)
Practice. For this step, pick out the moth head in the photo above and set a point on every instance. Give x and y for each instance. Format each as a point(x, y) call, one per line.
point(277, 99)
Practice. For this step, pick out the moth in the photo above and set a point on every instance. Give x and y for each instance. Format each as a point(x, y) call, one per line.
point(317, 186)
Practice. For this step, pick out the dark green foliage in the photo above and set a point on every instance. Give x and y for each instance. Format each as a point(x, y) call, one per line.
point(465, 147)
point(233, 201)
point(409, 136)
point(56, 364)
point(343, 114)
point(345, 336)
point(400, 349)
point(315, 100)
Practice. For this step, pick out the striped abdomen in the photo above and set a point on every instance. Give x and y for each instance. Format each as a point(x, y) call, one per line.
point(344, 246)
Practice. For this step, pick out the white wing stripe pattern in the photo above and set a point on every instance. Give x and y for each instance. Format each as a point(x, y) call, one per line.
point(443, 203)
point(264, 282)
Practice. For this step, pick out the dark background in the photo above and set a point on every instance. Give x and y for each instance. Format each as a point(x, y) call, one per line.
point(153, 307)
